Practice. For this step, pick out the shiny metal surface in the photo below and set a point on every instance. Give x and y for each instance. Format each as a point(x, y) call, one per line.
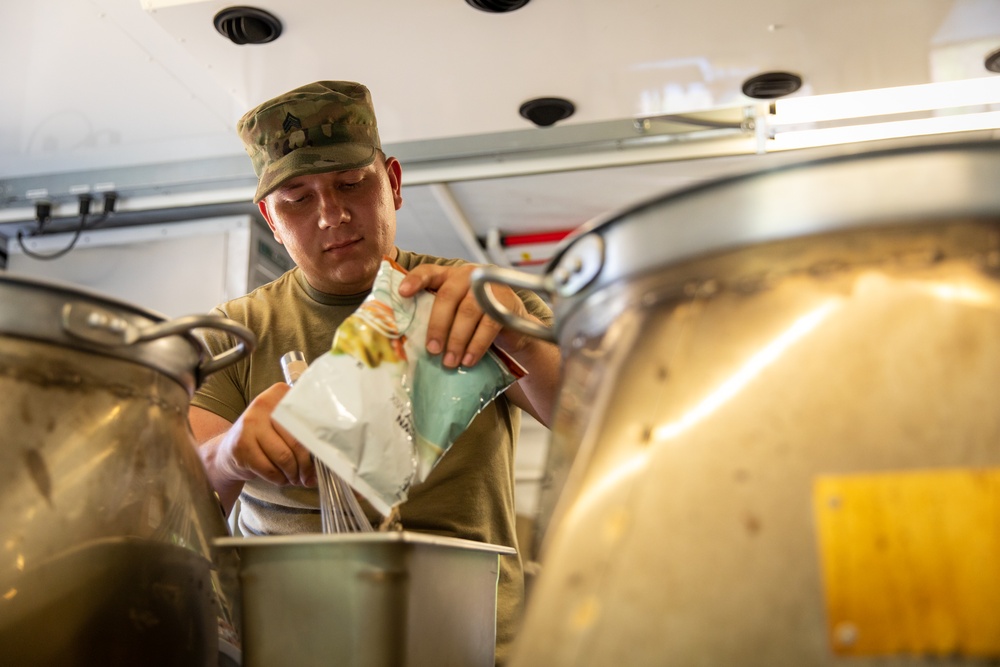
point(101, 487)
point(891, 187)
point(708, 401)
point(698, 422)
point(87, 321)
point(395, 599)
point(577, 268)
point(484, 275)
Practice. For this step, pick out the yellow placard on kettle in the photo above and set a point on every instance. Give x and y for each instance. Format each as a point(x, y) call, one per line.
point(911, 562)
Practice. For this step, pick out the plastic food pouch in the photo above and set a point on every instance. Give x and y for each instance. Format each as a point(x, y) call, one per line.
point(377, 409)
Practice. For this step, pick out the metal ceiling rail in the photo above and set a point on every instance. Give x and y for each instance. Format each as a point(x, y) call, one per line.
point(229, 179)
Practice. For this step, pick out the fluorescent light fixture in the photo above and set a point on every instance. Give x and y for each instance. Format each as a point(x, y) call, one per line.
point(887, 101)
point(829, 136)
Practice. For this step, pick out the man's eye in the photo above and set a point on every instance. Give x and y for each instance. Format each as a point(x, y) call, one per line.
point(349, 185)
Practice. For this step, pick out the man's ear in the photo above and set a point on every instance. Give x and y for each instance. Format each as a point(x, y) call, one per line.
point(262, 206)
point(395, 171)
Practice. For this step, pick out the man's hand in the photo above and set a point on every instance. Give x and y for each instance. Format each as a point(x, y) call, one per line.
point(458, 327)
point(462, 332)
point(254, 446)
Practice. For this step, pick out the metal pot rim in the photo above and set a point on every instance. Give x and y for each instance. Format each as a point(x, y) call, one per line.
point(888, 187)
point(82, 320)
point(797, 214)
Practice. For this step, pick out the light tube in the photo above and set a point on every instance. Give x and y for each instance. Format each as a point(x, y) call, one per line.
point(829, 136)
point(887, 101)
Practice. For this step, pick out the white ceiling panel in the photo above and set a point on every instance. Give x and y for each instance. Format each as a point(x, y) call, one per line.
point(93, 87)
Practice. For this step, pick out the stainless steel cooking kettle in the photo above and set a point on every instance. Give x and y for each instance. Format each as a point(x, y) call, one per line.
point(776, 440)
point(106, 515)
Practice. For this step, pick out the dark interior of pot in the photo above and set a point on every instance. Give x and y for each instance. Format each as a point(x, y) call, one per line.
point(119, 602)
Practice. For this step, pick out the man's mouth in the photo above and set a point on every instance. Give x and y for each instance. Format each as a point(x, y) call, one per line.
point(339, 245)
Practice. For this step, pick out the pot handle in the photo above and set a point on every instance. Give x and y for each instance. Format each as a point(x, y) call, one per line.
point(182, 325)
point(484, 275)
point(106, 328)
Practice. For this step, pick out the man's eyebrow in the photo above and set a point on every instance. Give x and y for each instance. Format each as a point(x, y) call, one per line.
point(286, 187)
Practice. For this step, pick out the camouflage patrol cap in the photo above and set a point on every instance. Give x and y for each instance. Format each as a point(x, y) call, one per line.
point(323, 126)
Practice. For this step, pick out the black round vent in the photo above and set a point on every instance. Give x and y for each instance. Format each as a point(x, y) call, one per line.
point(497, 6)
point(993, 62)
point(545, 111)
point(247, 25)
point(770, 85)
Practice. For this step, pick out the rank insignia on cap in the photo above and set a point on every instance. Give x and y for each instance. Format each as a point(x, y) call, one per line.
point(291, 122)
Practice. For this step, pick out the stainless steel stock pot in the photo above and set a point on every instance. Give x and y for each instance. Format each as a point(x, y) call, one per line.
point(106, 515)
point(376, 599)
point(777, 439)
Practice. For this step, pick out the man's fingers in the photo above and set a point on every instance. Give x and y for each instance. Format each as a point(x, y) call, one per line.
point(458, 328)
point(453, 322)
point(471, 336)
point(455, 318)
point(252, 459)
point(303, 458)
point(282, 458)
point(424, 276)
point(262, 448)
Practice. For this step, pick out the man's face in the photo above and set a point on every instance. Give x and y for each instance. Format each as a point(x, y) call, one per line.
point(338, 225)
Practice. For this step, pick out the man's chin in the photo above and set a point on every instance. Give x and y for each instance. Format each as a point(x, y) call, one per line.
point(353, 276)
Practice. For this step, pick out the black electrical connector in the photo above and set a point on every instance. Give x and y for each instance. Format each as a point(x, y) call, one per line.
point(85, 202)
point(110, 200)
point(43, 213)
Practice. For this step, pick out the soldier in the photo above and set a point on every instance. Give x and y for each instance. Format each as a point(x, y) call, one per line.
point(330, 196)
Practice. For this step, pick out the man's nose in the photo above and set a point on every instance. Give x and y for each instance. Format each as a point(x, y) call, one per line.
point(332, 211)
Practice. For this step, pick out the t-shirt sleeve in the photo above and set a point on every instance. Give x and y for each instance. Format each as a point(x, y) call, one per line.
point(536, 306)
point(222, 392)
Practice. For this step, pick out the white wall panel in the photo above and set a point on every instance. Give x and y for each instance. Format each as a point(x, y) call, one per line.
point(175, 269)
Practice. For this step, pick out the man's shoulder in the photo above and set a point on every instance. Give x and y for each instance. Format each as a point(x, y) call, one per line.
point(277, 293)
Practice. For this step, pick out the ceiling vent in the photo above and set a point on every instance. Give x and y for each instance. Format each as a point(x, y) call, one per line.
point(497, 6)
point(769, 85)
point(545, 111)
point(993, 62)
point(247, 25)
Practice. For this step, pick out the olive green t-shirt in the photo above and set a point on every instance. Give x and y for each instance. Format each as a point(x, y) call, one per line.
point(469, 493)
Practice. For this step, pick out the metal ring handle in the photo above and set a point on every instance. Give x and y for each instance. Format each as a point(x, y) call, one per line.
point(484, 275)
point(183, 325)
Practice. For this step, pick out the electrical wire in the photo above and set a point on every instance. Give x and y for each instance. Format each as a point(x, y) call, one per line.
point(58, 253)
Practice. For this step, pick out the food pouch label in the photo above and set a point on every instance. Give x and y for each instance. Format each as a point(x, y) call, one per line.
point(377, 409)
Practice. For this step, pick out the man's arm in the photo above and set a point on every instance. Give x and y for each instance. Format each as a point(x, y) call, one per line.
point(208, 429)
point(536, 392)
